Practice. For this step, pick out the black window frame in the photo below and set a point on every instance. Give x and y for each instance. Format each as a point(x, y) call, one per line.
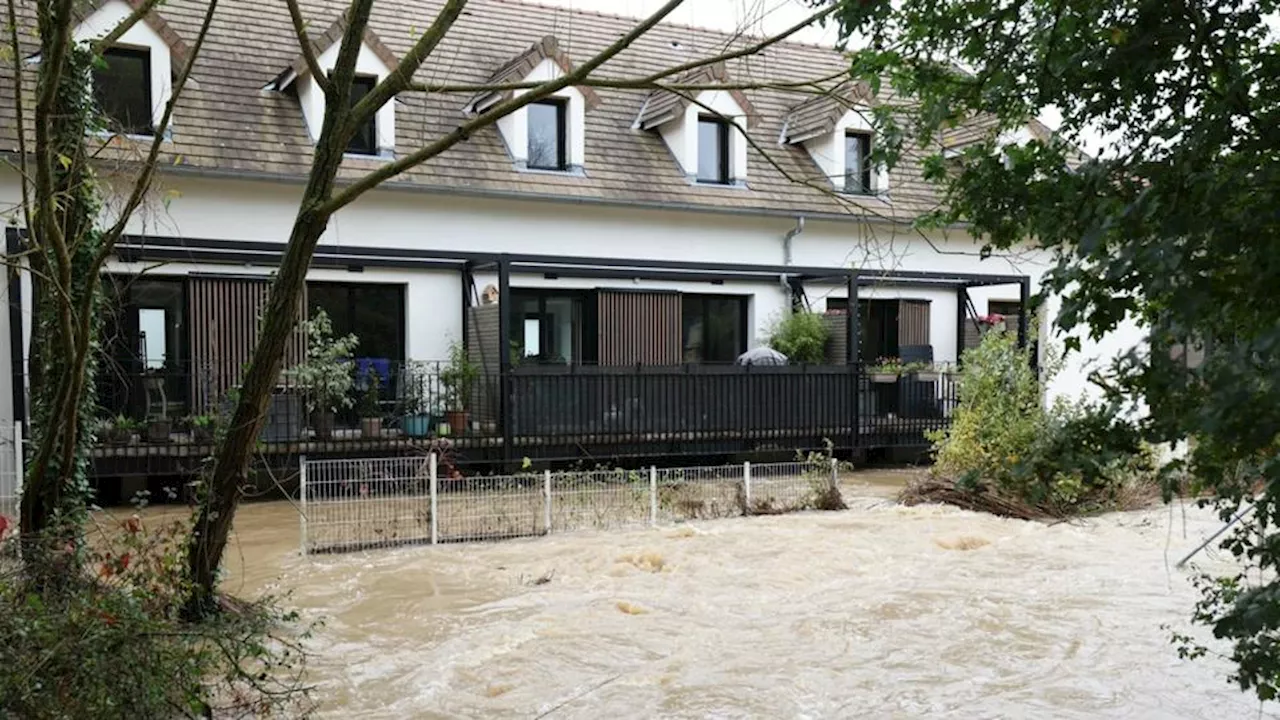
point(370, 128)
point(350, 289)
point(144, 54)
point(585, 324)
point(722, 176)
point(561, 106)
point(863, 139)
point(690, 300)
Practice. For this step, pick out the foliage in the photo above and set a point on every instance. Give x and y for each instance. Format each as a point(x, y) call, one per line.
point(201, 421)
point(416, 391)
point(370, 399)
point(1173, 225)
point(1061, 460)
point(458, 378)
point(108, 642)
point(326, 373)
point(820, 471)
point(801, 336)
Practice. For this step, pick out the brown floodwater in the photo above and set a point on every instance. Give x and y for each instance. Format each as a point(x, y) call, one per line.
point(880, 611)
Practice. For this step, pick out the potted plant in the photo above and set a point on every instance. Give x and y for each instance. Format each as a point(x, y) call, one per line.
point(159, 429)
point(923, 371)
point(201, 428)
point(120, 430)
point(416, 418)
point(326, 373)
point(458, 378)
point(370, 409)
point(802, 336)
point(885, 370)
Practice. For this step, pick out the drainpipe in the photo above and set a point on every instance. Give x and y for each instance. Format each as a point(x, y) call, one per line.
point(786, 239)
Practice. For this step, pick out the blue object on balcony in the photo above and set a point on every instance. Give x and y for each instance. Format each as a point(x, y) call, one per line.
point(367, 365)
point(416, 425)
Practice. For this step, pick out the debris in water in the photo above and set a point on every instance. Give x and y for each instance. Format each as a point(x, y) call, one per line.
point(630, 609)
point(684, 532)
point(964, 542)
point(494, 691)
point(649, 562)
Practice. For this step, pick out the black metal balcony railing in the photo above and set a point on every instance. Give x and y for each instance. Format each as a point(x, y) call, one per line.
point(550, 412)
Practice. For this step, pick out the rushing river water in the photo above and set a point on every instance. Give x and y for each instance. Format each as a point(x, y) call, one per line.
point(880, 611)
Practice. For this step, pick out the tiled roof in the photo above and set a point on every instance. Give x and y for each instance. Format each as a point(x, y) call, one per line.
point(178, 47)
point(519, 68)
point(665, 105)
point(332, 36)
point(230, 122)
point(819, 114)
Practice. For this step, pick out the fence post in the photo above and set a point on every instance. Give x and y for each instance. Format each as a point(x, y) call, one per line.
point(653, 496)
point(546, 500)
point(302, 500)
point(435, 504)
point(746, 487)
point(835, 473)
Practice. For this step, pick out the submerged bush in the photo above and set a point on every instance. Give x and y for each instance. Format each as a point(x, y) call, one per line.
point(801, 336)
point(109, 641)
point(1007, 452)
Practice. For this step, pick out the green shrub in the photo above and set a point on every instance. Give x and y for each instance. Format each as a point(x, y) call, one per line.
point(1058, 460)
point(801, 336)
point(108, 640)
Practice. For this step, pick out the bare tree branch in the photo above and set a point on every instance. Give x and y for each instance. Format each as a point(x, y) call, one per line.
point(502, 109)
point(401, 77)
point(139, 12)
point(304, 42)
point(640, 84)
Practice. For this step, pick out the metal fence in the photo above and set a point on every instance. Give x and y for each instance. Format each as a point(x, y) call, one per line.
point(10, 471)
point(358, 504)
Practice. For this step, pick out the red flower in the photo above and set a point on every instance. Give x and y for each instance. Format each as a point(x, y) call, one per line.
point(4, 525)
point(133, 525)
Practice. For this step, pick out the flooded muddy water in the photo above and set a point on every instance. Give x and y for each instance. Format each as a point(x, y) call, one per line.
point(878, 611)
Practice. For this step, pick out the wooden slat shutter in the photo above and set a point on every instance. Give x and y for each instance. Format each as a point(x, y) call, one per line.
point(639, 328)
point(913, 322)
point(224, 314)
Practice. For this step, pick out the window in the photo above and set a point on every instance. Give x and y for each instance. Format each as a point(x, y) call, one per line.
point(122, 87)
point(857, 163)
point(714, 327)
point(373, 312)
point(1004, 308)
point(713, 150)
point(547, 135)
point(553, 327)
point(365, 141)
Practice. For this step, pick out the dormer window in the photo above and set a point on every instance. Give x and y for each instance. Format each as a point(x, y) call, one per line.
point(547, 134)
point(122, 87)
point(365, 141)
point(837, 131)
point(713, 150)
point(705, 133)
point(857, 163)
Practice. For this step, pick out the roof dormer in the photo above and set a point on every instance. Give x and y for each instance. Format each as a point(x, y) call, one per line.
point(135, 81)
point(373, 64)
point(835, 128)
point(548, 134)
point(703, 131)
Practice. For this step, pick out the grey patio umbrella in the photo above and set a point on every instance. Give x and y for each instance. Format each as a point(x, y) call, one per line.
point(762, 356)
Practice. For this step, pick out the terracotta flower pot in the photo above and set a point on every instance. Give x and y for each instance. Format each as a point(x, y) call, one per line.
point(370, 427)
point(322, 424)
point(457, 420)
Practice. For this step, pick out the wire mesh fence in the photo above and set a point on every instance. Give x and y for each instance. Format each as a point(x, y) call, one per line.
point(11, 444)
point(359, 504)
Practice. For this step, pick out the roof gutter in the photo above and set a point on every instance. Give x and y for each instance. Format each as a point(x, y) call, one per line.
point(404, 186)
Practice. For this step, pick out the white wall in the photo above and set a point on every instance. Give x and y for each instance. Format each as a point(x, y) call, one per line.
point(241, 210)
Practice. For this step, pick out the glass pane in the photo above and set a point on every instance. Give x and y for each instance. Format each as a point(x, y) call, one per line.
point(692, 328)
point(151, 326)
point(532, 340)
point(854, 162)
point(544, 136)
point(724, 329)
point(365, 141)
point(560, 330)
point(710, 146)
point(123, 90)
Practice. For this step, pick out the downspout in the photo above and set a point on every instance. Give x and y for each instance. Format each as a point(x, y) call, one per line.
point(786, 239)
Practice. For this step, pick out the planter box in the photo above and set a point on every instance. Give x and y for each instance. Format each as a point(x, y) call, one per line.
point(928, 376)
point(417, 426)
point(883, 377)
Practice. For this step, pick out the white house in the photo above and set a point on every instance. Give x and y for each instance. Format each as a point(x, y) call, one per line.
point(625, 231)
